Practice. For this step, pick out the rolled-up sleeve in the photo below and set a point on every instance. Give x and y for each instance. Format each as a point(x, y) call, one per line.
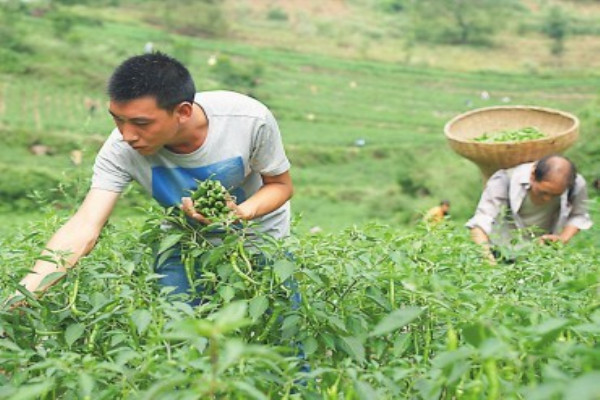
point(493, 198)
point(579, 216)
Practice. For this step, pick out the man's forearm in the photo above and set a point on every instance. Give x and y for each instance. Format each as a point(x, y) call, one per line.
point(269, 198)
point(73, 240)
point(568, 233)
point(273, 194)
point(66, 247)
point(481, 238)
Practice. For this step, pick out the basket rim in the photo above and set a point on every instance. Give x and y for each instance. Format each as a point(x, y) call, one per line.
point(467, 114)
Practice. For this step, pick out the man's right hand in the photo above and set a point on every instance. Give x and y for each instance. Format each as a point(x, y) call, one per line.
point(73, 240)
point(490, 257)
point(187, 205)
point(482, 239)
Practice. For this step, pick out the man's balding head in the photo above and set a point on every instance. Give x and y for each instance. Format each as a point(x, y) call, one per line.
point(550, 177)
point(557, 169)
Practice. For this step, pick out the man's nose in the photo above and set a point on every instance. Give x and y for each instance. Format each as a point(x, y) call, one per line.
point(128, 134)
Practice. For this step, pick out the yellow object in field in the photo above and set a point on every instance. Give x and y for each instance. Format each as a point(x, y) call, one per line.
point(434, 215)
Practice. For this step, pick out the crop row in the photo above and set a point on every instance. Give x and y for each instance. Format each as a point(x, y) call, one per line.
point(380, 314)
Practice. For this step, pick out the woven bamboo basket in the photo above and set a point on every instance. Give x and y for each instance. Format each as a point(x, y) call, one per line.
point(561, 128)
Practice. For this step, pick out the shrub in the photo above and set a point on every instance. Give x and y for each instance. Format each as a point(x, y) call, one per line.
point(236, 74)
point(555, 26)
point(17, 184)
point(203, 18)
point(277, 14)
point(64, 21)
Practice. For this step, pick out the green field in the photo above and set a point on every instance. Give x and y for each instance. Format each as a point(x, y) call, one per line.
point(389, 308)
point(383, 314)
point(324, 104)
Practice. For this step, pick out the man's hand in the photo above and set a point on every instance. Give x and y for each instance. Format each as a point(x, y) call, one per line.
point(187, 205)
point(490, 257)
point(238, 212)
point(482, 239)
point(241, 211)
point(276, 190)
point(549, 238)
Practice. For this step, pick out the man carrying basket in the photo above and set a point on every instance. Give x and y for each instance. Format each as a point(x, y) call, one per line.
point(546, 200)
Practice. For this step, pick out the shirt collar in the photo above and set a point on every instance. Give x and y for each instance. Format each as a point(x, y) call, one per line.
point(522, 175)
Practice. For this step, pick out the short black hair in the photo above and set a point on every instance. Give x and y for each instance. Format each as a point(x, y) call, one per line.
point(445, 202)
point(156, 75)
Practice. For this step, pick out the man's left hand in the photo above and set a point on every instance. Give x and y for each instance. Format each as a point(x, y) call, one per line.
point(549, 238)
point(240, 211)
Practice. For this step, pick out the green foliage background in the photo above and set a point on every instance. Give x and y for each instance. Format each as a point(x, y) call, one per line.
point(324, 103)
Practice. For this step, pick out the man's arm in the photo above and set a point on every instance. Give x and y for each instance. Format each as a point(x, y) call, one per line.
point(493, 198)
point(76, 238)
point(275, 192)
point(567, 234)
point(579, 217)
point(481, 238)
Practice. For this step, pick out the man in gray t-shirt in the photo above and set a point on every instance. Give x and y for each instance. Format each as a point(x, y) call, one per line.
point(242, 144)
point(167, 136)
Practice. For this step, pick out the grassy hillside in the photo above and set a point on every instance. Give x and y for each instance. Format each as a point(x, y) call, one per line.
point(360, 29)
point(325, 101)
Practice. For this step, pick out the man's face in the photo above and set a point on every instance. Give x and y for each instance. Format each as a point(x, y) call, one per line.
point(143, 125)
point(545, 190)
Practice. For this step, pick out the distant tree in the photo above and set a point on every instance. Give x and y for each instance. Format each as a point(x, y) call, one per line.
point(13, 37)
point(392, 6)
point(63, 21)
point(277, 14)
point(236, 74)
point(204, 18)
point(556, 26)
point(68, 2)
point(459, 21)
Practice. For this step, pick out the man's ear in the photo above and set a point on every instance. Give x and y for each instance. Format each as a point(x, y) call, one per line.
point(533, 167)
point(184, 111)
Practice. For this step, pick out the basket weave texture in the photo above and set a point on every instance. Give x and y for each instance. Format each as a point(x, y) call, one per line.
point(561, 128)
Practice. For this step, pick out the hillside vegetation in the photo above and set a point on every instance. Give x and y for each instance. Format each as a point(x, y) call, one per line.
point(369, 313)
point(327, 94)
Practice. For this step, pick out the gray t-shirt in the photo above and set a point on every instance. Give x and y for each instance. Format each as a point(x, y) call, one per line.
point(243, 142)
point(541, 216)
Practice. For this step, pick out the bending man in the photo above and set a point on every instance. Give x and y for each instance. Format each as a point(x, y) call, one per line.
point(167, 136)
point(544, 200)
